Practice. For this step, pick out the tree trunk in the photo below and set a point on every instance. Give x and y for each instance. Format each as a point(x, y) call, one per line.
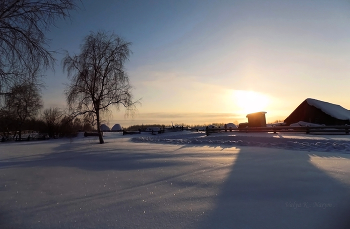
point(20, 131)
point(99, 128)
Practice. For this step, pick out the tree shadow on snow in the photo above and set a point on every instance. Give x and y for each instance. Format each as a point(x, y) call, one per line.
point(96, 157)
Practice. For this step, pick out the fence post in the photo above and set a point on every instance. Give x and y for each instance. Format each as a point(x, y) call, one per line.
point(307, 130)
point(207, 131)
point(225, 127)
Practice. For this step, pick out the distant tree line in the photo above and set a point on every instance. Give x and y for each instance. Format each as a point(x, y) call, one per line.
point(22, 111)
point(196, 126)
point(143, 127)
point(19, 117)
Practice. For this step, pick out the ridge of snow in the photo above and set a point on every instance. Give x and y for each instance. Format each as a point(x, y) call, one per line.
point(331, 109)
point(301, 123)
point(280, 141)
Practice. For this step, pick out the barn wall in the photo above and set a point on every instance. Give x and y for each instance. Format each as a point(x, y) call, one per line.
point(305, 112)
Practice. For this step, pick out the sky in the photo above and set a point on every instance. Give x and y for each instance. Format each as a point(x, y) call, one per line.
point(199, 62)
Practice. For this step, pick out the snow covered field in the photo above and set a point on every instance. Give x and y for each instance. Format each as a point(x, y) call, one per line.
point(177, 180)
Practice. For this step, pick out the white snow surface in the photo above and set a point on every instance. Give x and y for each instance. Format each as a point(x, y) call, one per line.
point(291, 141)
point(177, 180)
point(331, 109)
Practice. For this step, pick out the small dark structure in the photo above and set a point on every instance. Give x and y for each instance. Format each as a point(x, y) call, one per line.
point(131, 132)
point(242, 125)
point(88, 134)
point(257, 119)
point(319, 112)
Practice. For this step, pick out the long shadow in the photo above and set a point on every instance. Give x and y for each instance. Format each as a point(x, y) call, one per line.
point(99, 159)
point(277, 188)
point(95, 160)
point(271, 188)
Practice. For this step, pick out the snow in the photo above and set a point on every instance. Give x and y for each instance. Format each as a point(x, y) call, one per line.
point(116, 127)
point(302, 123)
point(325, 143)
point(333, 110)
point(177, 180)
point(104, 127)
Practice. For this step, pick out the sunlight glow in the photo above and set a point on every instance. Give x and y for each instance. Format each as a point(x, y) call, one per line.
point(250, 101)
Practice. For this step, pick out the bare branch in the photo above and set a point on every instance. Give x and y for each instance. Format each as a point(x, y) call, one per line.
point(23, 45)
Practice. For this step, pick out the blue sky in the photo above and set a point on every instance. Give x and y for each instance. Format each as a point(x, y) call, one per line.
point(214, 61)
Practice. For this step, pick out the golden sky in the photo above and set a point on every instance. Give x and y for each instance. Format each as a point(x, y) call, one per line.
point(216, 61)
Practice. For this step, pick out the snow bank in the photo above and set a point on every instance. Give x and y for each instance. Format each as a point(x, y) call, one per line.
point(301, 123)
point(327, 143)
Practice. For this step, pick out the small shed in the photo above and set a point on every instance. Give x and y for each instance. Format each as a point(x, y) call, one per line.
point(105, 128)
point(257, 119)
point(116, 128)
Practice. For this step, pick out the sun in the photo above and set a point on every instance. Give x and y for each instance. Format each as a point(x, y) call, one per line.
point(250, 101)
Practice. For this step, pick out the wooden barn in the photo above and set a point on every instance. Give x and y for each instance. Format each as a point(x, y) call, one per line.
point(320, 112)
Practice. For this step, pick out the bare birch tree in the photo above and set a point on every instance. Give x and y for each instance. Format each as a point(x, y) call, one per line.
point(98, 78)
point(23, 44)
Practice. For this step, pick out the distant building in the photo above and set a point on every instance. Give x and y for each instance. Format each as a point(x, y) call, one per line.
point(319, 112)
point(257, 119)
point(231, 126)
point(116, 128)
point(105, 128)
